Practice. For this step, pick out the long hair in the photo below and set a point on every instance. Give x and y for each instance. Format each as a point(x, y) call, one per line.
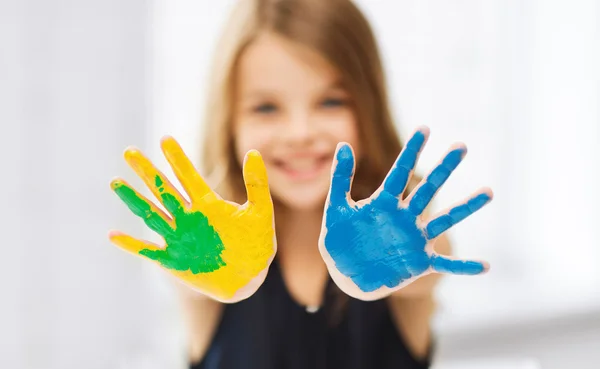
point(338, 31)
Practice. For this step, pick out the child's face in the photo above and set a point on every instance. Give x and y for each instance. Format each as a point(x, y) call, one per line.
point(291, 107)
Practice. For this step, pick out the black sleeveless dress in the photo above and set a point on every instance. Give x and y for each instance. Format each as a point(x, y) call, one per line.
point(271, 331)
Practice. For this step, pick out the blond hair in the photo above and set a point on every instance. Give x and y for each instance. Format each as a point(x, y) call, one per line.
point(338, 31)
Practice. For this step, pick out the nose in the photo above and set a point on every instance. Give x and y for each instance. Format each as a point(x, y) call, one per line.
point(298, 130)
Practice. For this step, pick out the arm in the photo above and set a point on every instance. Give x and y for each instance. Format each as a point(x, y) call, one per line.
point(412, 307)
point(201, 316)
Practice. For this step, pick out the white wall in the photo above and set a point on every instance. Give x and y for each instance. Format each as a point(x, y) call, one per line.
point(568, 342)
point(73, 86)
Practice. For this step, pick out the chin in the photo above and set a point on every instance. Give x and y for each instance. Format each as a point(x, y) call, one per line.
point(300, 200)
point(301, 194)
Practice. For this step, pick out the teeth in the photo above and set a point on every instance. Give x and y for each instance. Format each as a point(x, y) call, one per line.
point(302, 164)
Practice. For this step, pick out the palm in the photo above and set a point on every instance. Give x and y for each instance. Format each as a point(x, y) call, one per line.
point(220, 248)
point(378, 245)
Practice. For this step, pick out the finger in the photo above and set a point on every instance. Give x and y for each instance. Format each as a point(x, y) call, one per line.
point(156, 182)
point(398, 176)
point(154, 218)
point(131, 244)
point(443, 264)
point(427, 189)
point(147, 249)
point(190, 179)
point(442, 223)
point(342, 174)
point(256, 180)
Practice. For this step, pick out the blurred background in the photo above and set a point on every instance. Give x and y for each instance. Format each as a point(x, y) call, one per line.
point(517, 80)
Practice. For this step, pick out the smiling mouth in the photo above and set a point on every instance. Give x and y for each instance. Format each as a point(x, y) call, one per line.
point(302, 169)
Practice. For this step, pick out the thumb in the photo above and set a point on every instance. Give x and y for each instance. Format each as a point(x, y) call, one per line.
point(256, 180)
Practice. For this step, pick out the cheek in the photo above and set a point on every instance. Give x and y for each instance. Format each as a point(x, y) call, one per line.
point(246, 138)
point(344, 128)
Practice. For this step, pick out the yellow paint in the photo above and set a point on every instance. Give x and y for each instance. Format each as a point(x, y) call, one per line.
point(247, 231)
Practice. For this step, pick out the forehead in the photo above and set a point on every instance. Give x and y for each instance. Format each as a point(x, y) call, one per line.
point(273, 63)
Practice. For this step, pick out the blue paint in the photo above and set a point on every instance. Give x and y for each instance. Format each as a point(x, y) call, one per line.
point(444, 265)
point(435, 180)
point(377, 244)
point(396, 181)
point(380, 244)
point(442, 223)
point(342, 177)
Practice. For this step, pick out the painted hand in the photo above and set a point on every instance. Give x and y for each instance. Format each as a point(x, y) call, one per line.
point(219, 248)
point(376, 246)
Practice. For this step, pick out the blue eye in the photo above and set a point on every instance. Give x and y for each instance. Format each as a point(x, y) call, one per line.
point(266, 108)
point(332, 103)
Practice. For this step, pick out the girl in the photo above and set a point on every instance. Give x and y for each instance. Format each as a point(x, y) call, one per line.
point(294, 78)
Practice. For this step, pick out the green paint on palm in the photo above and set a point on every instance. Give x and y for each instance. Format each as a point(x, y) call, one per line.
point(193, 245)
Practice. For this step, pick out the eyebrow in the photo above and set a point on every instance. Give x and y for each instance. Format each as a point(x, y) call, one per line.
point(338, 85)
point(269, 94)
point(259, 94)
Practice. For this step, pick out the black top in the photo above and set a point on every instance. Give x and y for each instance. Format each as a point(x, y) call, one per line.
point(270, 330)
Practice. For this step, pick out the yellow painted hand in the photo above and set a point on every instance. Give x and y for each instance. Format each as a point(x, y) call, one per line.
point(219, 248)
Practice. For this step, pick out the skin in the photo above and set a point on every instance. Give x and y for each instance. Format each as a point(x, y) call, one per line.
point(291, 107)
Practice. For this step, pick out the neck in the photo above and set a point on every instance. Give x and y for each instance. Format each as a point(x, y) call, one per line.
point(303, 270)
point(298, 231)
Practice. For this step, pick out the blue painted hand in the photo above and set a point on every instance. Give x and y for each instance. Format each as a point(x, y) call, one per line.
point(376, 246)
